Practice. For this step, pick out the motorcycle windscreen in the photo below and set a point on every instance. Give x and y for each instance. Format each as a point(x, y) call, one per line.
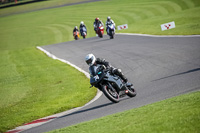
point(84, 29)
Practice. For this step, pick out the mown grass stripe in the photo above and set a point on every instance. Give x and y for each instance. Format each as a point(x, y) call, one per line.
point(171, 6)
point(66, 31)
point(58, 36)
point(189, 3)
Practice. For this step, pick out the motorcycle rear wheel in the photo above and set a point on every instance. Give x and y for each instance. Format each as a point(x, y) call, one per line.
point(110, 94)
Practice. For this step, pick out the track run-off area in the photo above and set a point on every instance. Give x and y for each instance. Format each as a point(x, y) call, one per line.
point(160, 67)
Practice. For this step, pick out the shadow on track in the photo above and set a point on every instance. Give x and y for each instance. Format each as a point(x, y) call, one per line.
point(85, 110)
point(190, 71)
point(94, 108)
point(102, 40)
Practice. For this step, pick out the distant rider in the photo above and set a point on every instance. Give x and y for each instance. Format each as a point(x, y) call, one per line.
point(96, 24)
point(75, 29)
point(108, 22)
point(81, 28)
point(91, 60)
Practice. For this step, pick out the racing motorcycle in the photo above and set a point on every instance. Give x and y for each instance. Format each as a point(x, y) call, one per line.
point(111, 30)
point(100, 30)
point(76, 35)
point(83, 32)
point(111, 85)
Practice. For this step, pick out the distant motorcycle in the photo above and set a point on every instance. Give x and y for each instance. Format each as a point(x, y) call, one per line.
point(83, 31)
point(100, 30)
point(111, 30)
point(76, 35)
point(111, 85)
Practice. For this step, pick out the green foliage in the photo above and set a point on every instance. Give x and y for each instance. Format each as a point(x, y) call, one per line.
point(176, 115)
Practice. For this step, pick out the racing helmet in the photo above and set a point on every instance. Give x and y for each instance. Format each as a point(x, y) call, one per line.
point(108, 18)
point(75, 27)
point(90, 59)
point(97, 19)
point(82, 23)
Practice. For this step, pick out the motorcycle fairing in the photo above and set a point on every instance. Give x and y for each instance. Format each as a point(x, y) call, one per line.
point(116, 81)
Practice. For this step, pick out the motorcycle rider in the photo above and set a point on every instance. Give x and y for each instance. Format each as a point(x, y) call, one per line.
point(109, 21)
point(91, 60)
point(81, 27)
point(75, 29)
point(96, 24)
point(75, 32)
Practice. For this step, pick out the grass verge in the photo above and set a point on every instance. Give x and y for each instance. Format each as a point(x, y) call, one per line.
point(175, 115)
point(34, 86)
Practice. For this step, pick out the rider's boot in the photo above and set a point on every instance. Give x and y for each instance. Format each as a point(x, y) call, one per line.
point(125, 80)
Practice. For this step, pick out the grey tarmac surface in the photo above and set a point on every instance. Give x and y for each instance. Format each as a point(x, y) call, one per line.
point(159, 68)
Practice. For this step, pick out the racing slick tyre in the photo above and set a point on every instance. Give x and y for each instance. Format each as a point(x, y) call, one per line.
point(110, 94)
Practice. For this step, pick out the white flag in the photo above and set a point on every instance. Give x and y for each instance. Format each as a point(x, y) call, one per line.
point(167, 26)
point(124, 26)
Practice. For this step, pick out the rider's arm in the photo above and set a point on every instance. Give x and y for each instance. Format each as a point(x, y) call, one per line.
point(113, 22)
point(85, 27)
point(94, 24)
point(103, 62)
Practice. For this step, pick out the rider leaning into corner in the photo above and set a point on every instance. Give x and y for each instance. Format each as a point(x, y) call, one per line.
point(91, 60)
point(96, 24)
point(108, 22)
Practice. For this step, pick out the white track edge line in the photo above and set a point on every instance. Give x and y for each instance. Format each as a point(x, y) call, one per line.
point(148, 35)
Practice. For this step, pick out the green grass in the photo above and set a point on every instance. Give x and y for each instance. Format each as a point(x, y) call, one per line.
point(30, 81)
point(34, 86)
point(176, 115)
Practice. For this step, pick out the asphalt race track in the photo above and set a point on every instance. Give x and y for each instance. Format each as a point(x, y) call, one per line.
point(159, 68)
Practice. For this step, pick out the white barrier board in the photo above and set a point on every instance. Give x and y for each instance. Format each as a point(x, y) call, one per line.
point(124, 26)
point(167, 26)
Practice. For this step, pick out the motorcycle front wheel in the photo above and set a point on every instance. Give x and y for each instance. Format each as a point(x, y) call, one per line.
point(76, 37)
point(100, 34)
point(110, 94)
point(111, 34)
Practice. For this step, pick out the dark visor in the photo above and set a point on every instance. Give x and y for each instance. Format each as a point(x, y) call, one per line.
point(89, 61)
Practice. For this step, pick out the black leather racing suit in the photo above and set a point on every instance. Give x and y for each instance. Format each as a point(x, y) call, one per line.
point(74, 30)
point(112, 69)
